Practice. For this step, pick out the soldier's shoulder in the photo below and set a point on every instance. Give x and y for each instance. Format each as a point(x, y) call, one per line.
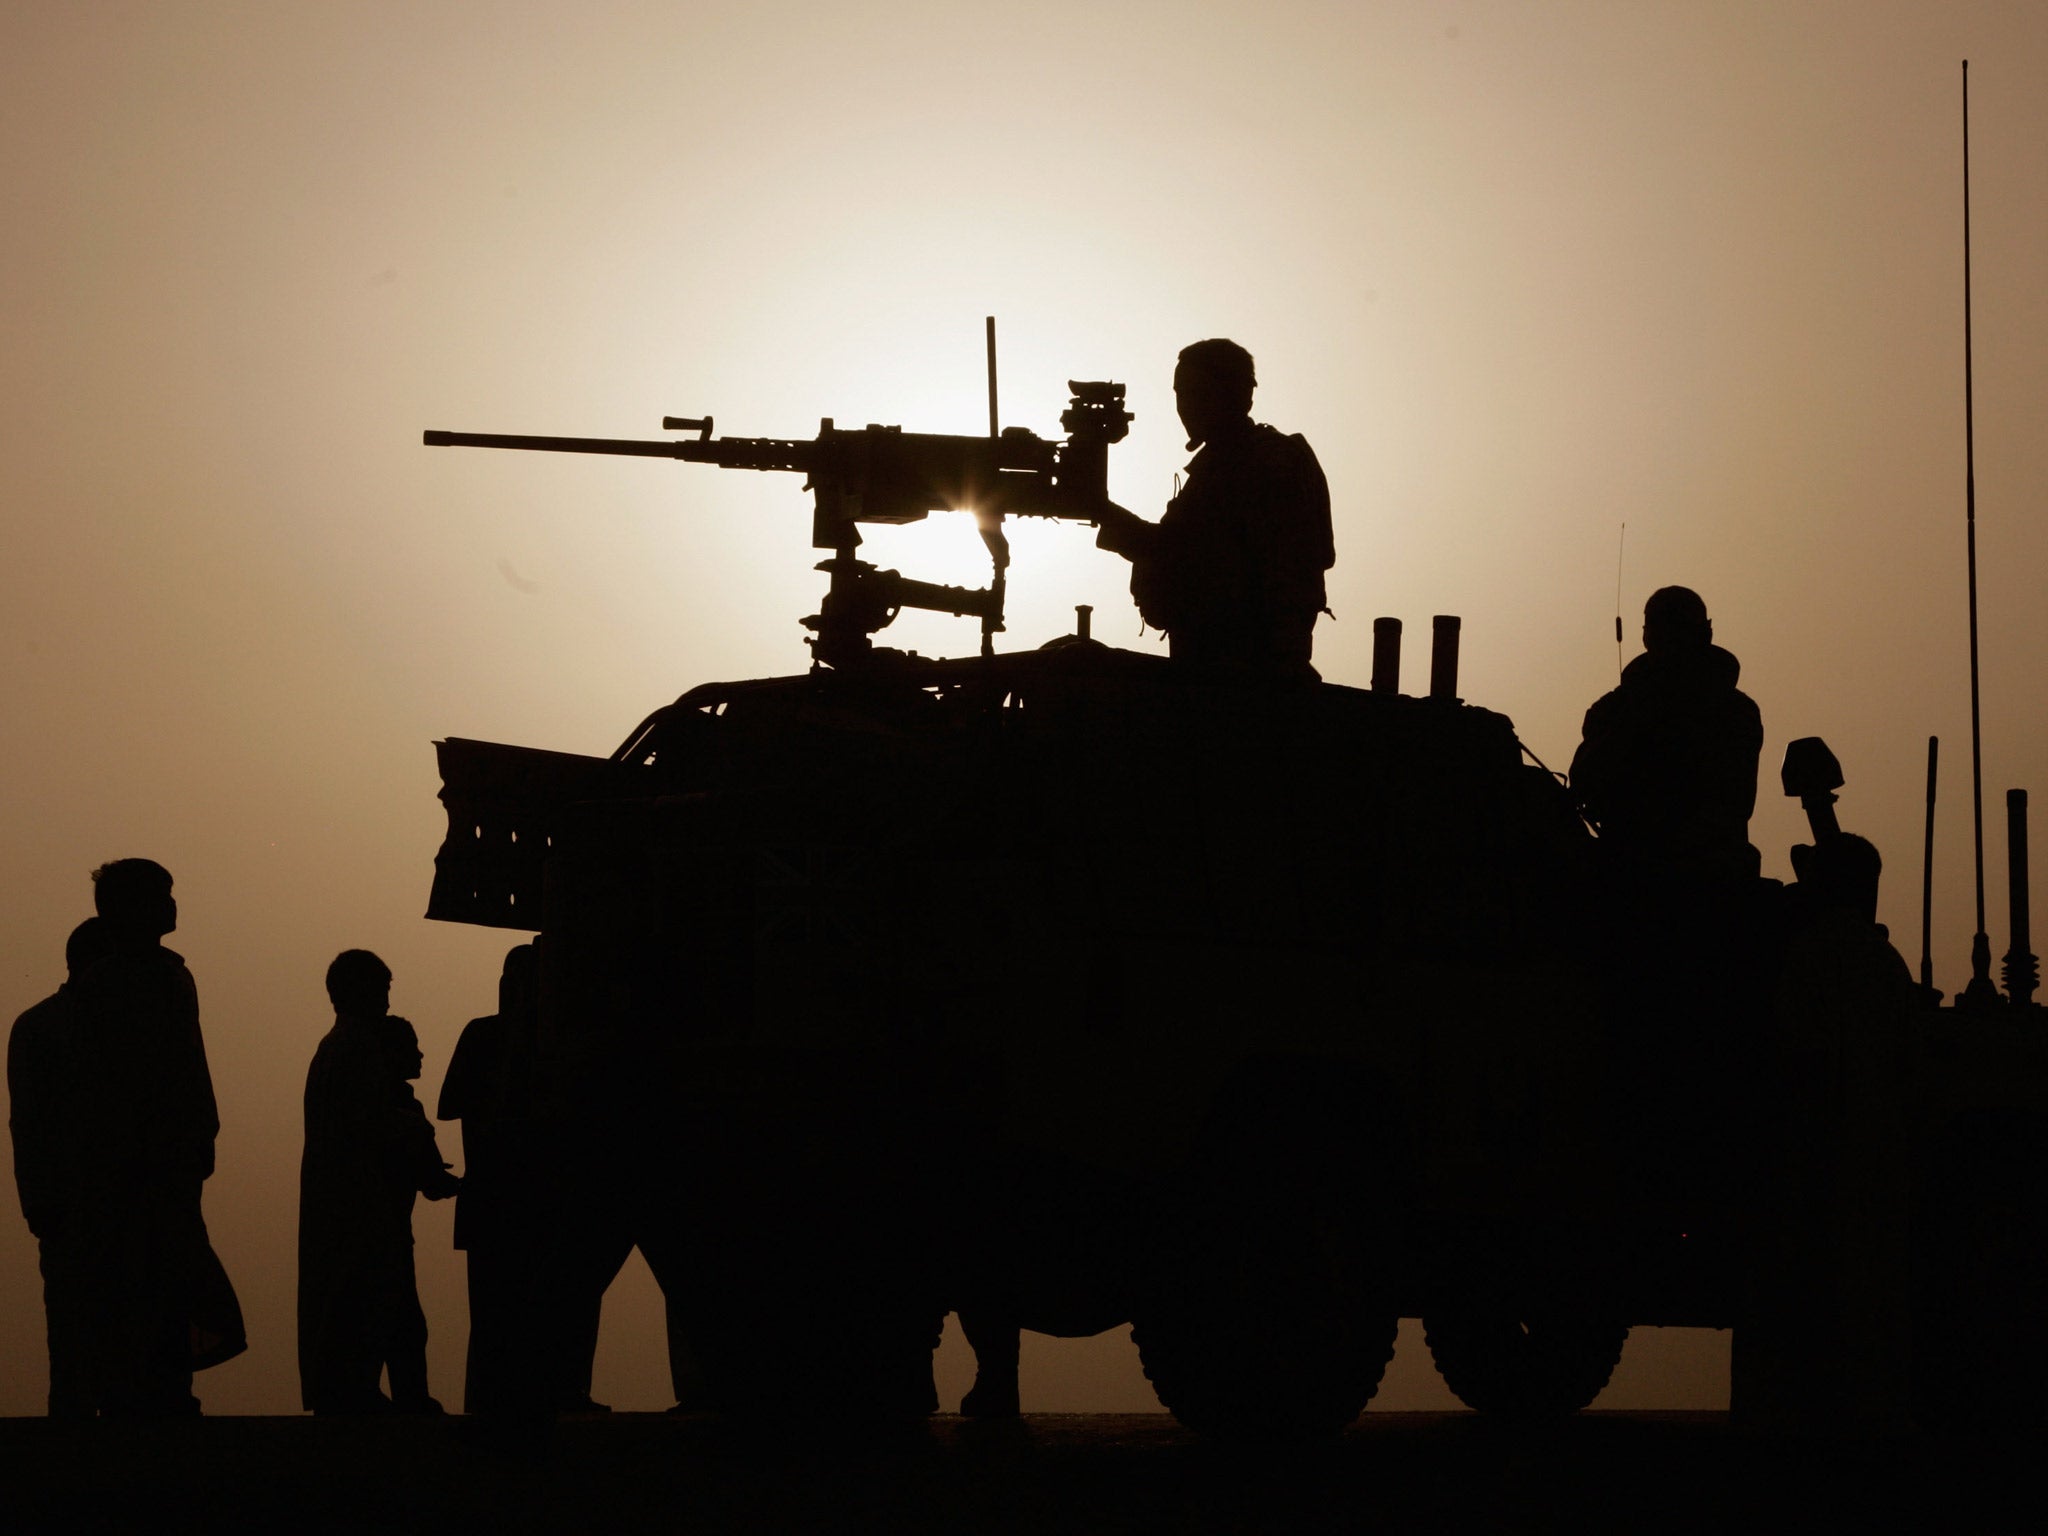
point(345, 1045)
point(1288, 454)
point(1269, 439)
point(1614, 701)
point(39, 1018)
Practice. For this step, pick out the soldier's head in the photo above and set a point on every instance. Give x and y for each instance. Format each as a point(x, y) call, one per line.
point(1675, 619)
point(134, 896)
point(1212, 386)
point(359, 984)
point(89, 942)
point(401, 1044)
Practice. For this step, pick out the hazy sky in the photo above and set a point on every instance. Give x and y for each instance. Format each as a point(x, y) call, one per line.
point(1521, 273)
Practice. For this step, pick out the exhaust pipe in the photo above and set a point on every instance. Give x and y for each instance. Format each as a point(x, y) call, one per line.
point(1386, 655)
point(2022, 970)
point(1443, 657)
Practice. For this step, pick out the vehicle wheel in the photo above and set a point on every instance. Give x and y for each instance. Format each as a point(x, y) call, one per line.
point(1268, 1329)
point(1273, 1372)
point(1550, 1365)
point(1268, 1313)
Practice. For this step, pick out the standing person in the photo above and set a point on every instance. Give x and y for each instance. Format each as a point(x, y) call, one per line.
point(495, 1222)
point(997, 1342)
point(146, 1121)
point(548, 1215)
point(42, 1096)
point(1234, 571)
point(369, 1150)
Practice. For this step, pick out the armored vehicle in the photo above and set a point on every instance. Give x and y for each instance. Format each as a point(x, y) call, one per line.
point(1055, 985)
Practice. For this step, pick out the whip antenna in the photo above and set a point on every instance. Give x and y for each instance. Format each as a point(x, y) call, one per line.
point(1927, 872)
point(1981, 988)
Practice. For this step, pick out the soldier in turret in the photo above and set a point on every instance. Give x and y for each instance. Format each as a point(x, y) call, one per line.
point(1234, 571)
point(1667, 765)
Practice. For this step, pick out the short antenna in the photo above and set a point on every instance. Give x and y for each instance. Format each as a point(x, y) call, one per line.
point(1621, 550)
point(993, 429)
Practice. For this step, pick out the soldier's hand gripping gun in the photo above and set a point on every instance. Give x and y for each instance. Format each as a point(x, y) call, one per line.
point(886, 475)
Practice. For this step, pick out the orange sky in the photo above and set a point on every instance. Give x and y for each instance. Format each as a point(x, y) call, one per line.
point(1521, 272)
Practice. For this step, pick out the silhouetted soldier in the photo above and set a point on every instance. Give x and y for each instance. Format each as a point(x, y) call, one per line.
point(546, 1216)
point(146, 1125)
point(1667, 766)
point(43, 1108)
point(613, 1130)
point(1234, 571)
point(495, 1214)
point(369, 1150)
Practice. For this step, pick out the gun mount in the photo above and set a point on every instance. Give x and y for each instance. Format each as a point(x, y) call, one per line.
point(878, 474)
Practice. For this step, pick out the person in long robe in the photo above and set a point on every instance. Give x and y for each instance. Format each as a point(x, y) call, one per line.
point(495, 1223)
point(159, 1301)
point(42, 1095)
point(548, 1215)
point(369, 1151)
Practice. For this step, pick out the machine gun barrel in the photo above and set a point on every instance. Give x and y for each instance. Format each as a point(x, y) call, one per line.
point(768, 453)
point(880, 474)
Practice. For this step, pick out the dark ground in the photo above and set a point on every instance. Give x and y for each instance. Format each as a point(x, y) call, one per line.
point(1106, 1474)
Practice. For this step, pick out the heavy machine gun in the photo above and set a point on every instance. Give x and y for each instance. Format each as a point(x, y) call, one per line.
point(879, 474)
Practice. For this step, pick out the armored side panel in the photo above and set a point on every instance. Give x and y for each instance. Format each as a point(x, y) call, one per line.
point(503, 805)
point(1027, 923)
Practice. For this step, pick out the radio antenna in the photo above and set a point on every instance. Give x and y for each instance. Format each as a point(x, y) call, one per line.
point(1620, 551)
point(1927, 872)
point(1981, 990)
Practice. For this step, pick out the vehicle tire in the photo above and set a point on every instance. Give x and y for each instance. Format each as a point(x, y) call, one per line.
point(1268, 1314)
point(1269, 1326)
point(1550, 1365)
point(1272, 1372)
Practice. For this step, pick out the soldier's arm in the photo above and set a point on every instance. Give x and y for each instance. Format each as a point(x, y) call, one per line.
point(200, 1110)
point(1123, 532)
point(465, 1085)
point(1741, 745)
point(1586, 776)
point(30, 1082)
point(1315, 498)
point(417, 1151)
